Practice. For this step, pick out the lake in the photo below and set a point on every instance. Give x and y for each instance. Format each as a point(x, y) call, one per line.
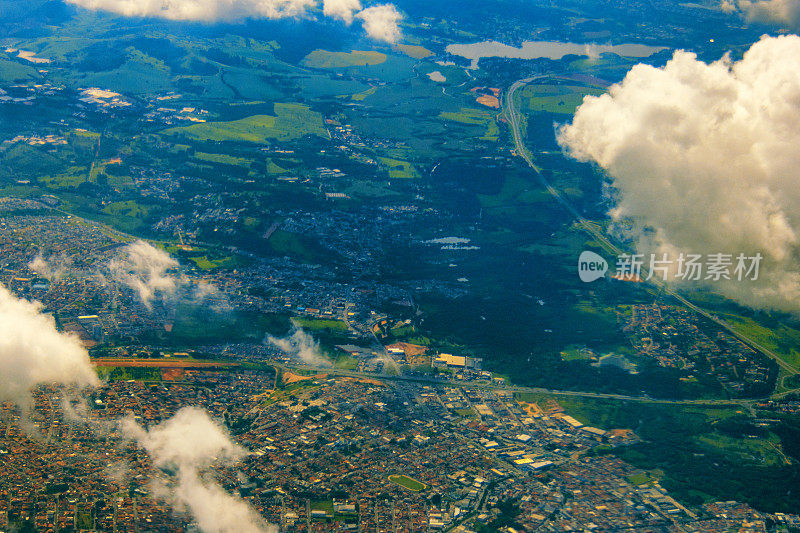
point(548, 49)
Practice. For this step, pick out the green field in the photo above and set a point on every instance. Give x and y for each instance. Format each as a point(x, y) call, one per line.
point(204, 263)
point(345, 362)
point(291, 121)
point(415, 51)
point(364, 94)
point(780, 339)
point(403, 331)
point(642, 478)
point(399, 169)
point(516, 191)
point(302, 247)
point(11, 71)
point(560, 99)
point(355, 58)
point(129, 373)
point(319, 324)
point(475, 117)
point(323, 505)
point(71, 178)
point(274, 168)
point(128, 208)
point(289, 391)
point(408, 482)
point(223, 159)
point(573, 353)
point(763, 451)
point(205, 257)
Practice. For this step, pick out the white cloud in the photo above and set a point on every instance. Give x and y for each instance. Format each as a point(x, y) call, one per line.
point(779, 12)
point(34, 352)
point(302, 345)
point(775, 12)
point(727, 6)
point(189, 438)
point(152, 274)
point(188, 443)
point(704, 159)
point(341, 9)
point(216, 511)
point(52, 268)
point(145, 269)
point(381, 22)
point(201, 10)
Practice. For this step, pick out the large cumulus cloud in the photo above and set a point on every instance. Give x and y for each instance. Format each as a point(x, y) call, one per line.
point(704, 158)
point(341, 9)
point(34, 352)
point(380, 22)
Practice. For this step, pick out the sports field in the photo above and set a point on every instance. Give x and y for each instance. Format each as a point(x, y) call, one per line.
point(408, 482)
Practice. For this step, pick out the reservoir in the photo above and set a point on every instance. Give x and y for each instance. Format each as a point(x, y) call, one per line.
point(549, 49)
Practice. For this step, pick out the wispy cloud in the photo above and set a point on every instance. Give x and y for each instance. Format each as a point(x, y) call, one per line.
point(300, 344)
point(189, 443)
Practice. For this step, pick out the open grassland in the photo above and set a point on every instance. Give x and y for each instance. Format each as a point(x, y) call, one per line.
point(399, 169)
point(319, 324)
point(780, 339)
point(128, 208)
point(204, 263)
point(158, 363)
point(360, 97)
point(642, 478)
point(127, 373)
point(274, 168)
point(765, 451)
point(415, 51)
point(516, 191)
point(70, 178)
point(223, 159)
point(11, 71)
point(302, 247)
point(291, 390)
point(206, 258)
point(291, 121)
point(561, 99)
point(574, 353)
point(355, 58)
point(474, 117)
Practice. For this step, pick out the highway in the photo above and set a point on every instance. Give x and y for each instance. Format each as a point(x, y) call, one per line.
point(514, 118)
point(512, 388)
